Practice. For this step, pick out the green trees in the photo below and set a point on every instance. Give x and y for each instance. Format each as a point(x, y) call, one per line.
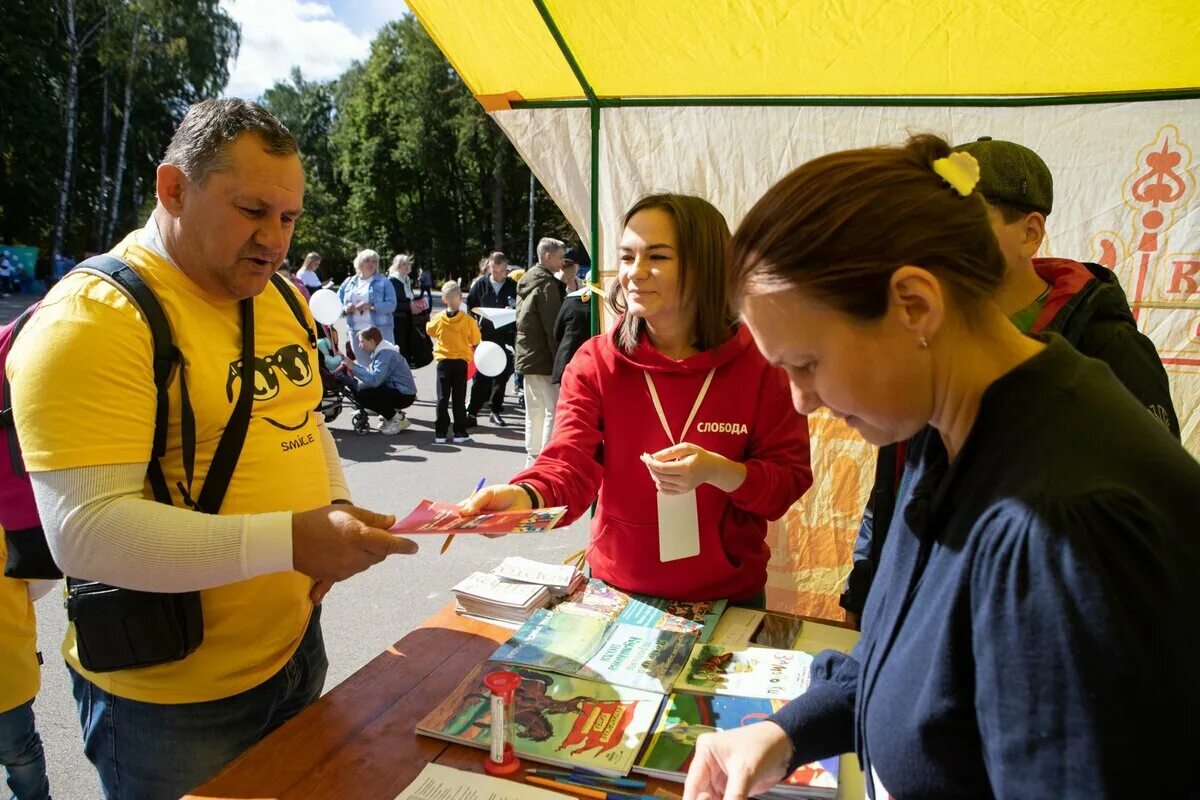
point(399, 157)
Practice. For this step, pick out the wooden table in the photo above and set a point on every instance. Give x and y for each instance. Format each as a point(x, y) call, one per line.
point(359, 741)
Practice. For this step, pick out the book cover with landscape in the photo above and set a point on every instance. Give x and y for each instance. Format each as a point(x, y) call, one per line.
point(598, 599)
point(686, 716)
point(550, 640)
point(569, 722)
point(746, 672)
point(642, 658)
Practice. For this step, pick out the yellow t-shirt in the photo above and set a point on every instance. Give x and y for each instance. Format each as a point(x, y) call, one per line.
point(83, 388)
point(453, 337)
point(20, 676)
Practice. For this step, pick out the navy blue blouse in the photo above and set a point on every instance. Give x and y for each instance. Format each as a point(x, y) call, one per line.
point(1033, 628)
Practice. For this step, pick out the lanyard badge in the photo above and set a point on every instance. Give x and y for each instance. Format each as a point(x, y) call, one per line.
point(678, 516)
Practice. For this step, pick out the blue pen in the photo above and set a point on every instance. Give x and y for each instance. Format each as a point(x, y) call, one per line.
point(450, 538)
point(587, 778)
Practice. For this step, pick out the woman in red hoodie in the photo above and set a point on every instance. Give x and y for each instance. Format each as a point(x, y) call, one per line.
point(674, 417)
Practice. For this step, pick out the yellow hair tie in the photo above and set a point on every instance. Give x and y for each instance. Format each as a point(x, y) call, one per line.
point(960, 170)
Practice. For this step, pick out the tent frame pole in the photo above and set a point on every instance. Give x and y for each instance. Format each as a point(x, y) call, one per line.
point(592, 103)
point(984, 101)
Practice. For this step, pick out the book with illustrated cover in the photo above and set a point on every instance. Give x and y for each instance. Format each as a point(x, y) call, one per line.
point(746, 627)
point(746, 672)
point(559, 720)
point(641, 658)
point(598, 599)
point(594, 648)
point(554, 641)
point(431, 516)
point(685, 717)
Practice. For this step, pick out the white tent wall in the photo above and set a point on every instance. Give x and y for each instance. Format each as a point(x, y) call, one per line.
point(1125, 196)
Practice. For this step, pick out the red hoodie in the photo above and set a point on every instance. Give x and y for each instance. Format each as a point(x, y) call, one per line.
point(605, 420)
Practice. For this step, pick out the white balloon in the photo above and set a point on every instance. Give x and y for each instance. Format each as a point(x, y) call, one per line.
point(490, 359)
point(325, 305)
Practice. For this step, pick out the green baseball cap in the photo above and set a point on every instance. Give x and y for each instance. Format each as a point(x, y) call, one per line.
point(1012, 174)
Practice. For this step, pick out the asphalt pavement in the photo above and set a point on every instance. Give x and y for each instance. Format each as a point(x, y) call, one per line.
point(369, 612)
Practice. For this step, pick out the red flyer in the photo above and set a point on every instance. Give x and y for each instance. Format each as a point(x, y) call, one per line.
point(431, 516)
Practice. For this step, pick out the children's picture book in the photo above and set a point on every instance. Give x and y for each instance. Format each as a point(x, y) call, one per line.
point(685, 717)
point(746, 627)
point(554, 641)
point(568, 722)
point(431, 516)
point(598, 599)
point(641, 658)
point(748, 672)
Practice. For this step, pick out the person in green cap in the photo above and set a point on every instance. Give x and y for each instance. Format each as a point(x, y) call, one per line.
point(1082, 302)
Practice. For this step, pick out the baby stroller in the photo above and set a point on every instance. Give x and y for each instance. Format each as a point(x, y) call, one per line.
point(336, 391)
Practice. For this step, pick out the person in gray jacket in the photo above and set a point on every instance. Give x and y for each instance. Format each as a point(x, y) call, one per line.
point(385, 381)
point(539, 298)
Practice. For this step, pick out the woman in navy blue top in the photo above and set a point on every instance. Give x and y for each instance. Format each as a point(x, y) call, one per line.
point(1032, 629)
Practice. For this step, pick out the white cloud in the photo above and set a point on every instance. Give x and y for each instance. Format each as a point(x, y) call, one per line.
point(280, 34)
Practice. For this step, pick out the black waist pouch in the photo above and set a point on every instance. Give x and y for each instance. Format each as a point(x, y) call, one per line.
point(125, 629)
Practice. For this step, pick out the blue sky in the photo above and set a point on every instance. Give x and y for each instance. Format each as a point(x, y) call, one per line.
point(322, 37)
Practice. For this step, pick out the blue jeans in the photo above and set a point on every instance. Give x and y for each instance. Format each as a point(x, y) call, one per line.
point(148, 751)
point(21, 754)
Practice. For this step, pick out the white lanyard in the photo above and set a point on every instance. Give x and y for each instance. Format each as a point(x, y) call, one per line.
point(662, 417)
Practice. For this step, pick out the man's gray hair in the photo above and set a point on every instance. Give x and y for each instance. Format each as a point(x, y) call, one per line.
point(199, 144)
point(548, 247)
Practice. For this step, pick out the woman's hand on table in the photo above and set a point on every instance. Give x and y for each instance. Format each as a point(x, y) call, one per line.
point(685, 466)
point(735, 764)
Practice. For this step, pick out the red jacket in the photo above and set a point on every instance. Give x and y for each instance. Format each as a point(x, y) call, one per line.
point(605, 420)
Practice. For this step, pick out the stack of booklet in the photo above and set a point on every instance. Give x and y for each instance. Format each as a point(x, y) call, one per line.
point(560, 579)
point(513, 591)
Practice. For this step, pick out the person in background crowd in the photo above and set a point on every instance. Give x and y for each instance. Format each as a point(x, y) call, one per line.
point(673, 414)
point(6, 276)
point(574, 324)
point(307, 274)
point(1083, 303)
point(425, 285)
point(569, 274)
point(402, 318)
point(493, 290)
point(518, 378)
point(21, 752)
point(261, 560)
point(368, 300)
point(385, 382)
point(1043, 556)
point(539, 298)
point(285, 269)
point(455, 336)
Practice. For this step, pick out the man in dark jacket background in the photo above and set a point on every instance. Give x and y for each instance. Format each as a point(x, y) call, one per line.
point(1083, 303)
point(574, 325)
point(493, 289)
point(539, 299)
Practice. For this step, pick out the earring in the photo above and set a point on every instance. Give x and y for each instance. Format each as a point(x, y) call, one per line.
point(922, 342)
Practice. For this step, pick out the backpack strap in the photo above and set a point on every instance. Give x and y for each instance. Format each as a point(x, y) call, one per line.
point(165, 356)
point(7, 422)
point(289, 296)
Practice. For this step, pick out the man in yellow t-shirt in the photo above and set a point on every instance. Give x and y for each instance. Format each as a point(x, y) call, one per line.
point(20, 747)
point(229, 191)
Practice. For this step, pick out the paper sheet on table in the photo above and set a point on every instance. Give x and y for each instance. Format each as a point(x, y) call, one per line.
point(437, 782)
point(499, 316)
point(431, 516)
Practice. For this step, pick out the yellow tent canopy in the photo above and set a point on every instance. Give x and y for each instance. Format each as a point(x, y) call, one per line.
point(506, 50)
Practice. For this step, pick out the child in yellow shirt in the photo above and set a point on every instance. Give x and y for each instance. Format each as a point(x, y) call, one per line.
point(455, 335)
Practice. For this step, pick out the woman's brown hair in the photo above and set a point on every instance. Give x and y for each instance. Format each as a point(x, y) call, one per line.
point(703, 238)
point(840, 225)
